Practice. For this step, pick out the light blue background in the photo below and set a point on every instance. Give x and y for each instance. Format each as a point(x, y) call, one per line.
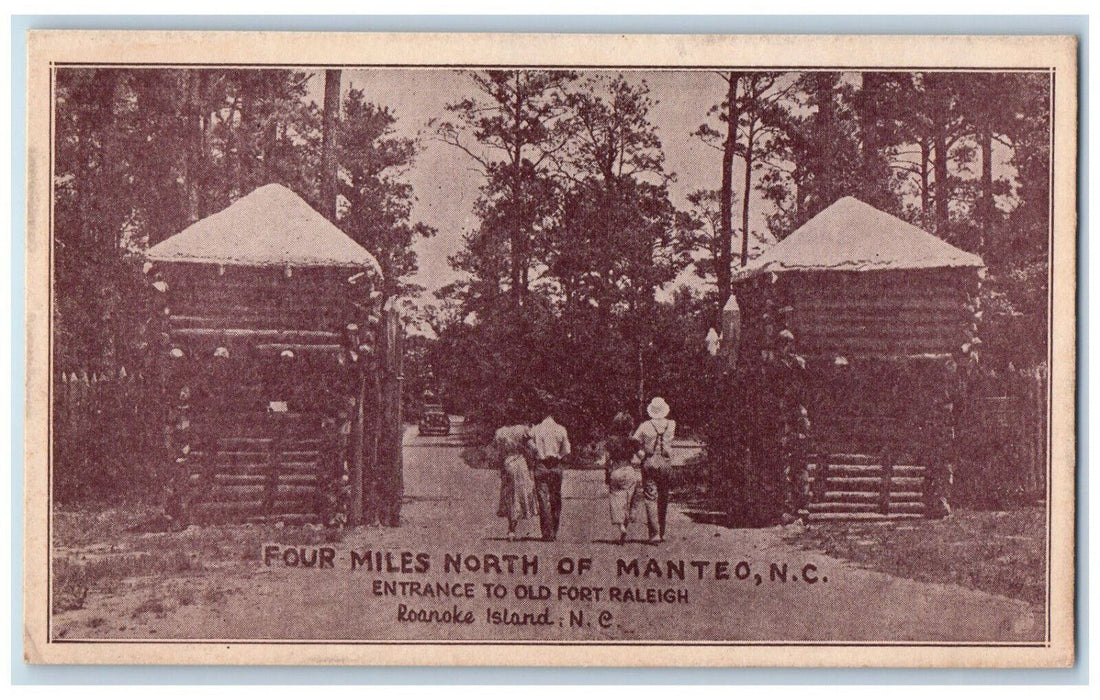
point(22, 673)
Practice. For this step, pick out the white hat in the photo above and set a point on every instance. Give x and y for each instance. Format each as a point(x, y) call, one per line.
point(657, 408)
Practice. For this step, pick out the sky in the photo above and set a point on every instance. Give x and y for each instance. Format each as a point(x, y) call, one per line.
point(446, 185)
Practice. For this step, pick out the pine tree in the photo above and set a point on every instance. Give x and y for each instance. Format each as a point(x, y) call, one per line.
point(512, 130)
point(378, 211)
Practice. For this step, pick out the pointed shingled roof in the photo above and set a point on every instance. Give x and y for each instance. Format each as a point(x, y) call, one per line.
point(851, 235)
point(269, 227)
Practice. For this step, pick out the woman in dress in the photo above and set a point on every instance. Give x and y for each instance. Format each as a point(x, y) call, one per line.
point(655, 436)
point(517, 488)
point(622, 480)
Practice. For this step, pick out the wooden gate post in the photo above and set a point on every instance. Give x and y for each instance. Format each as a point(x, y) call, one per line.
point(390, 426)
point(355, 517)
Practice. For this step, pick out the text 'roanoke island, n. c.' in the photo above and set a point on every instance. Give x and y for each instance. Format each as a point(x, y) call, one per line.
point(529, 589)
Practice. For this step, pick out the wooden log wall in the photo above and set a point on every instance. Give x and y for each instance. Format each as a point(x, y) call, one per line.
point(256, 300)
point(864, 364)
point(904, 313)
point(261, 369)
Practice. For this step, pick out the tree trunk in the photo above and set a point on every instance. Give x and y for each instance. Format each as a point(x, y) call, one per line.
point(987, 204)
point(745, 202)
point(925, 186)
point(329, 125)
point(236, 174)
point(195, 142)
point(724, 259)
point(939, 146)
point(271, 129)
point(518, 243)
point(391, 467)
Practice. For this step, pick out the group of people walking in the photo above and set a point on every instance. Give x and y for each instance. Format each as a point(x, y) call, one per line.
point(637, 467)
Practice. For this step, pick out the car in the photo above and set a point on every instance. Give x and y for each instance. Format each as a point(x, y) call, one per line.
point(434, 421)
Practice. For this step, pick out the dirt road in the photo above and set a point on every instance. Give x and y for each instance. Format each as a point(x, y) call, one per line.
point(705, 582)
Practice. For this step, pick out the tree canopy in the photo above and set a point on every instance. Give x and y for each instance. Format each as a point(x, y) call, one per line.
point(605, 242)
point(573, 270)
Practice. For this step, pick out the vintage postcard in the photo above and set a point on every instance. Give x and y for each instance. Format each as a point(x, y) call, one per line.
point(550, 350)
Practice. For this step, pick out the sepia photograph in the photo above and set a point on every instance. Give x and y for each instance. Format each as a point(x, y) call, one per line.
point(553, 354)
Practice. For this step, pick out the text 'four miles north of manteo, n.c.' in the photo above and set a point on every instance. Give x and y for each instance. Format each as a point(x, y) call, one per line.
point(422, 581)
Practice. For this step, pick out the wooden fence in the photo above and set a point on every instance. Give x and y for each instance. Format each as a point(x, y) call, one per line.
point(105, 433)
point(1003, 440)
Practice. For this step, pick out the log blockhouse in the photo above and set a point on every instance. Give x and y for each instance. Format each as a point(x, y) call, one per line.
point(272, 361)
point(856, 332)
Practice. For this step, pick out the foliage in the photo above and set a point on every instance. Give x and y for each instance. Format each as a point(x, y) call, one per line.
point(589, 336)
point(379, 205)
point(140, 155)
point(571, 269)
point(512, 129)
point(104, 435)
point(820, 154)
point(598, 333)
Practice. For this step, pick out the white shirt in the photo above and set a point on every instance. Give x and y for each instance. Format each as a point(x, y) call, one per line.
point(648, 431)
point(550, 440)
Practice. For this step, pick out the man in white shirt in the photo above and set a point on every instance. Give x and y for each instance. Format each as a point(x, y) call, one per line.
point(551, 443)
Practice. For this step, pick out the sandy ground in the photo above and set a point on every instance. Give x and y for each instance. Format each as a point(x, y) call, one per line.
point(450, 510)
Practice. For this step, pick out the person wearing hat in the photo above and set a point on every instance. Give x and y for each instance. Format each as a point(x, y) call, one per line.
point(655, 437)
